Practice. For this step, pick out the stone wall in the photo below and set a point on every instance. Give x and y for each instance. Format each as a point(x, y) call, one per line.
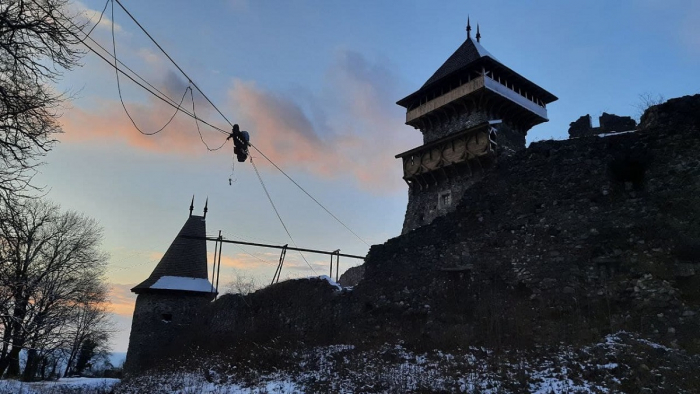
point(160, 323)
point(424, 205)
point(609, 123)
point(612, 123)
point(566, 239)
point(562, 242)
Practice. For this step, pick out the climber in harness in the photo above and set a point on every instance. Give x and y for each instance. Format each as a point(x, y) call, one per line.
point(241, 141)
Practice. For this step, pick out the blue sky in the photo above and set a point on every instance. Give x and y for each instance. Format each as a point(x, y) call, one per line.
point(315, 83)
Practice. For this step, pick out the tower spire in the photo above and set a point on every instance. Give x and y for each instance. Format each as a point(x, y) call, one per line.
point(478, 35)
point(206, 207)
point(192, 205)
point(469, 28)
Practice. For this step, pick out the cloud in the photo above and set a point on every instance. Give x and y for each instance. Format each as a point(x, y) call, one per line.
point(361, 128)
point(350, 129)
point(108, 122)
point(93, 16)
point(121, 299)
point(245, 261)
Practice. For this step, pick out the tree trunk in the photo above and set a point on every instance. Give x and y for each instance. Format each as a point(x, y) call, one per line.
point(11, 363)
point(31, 367)
point(43, 368)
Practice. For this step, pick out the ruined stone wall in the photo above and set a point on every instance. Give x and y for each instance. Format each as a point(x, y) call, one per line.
point(562, 242)
point(160, 322)
point(566, 239)
point(424, 205)
point(609, 123)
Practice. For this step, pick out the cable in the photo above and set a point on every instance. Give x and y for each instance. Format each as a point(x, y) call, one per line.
point(179, 108)
point(98, 20)
point(128, 68)
point(171, 59)
point(119, 89)
point(163, 97)
point(307, 193)
point(278, 214)
point(166, 100)
point(200, 131)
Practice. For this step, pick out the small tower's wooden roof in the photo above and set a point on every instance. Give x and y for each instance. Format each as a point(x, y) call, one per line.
point(470, 56)
point(185, 258)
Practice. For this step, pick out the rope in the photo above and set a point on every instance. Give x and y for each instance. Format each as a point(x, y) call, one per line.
point(307, 193)
point(119, 89)
point(200, 131)
point(170, 58)
point(278, 214)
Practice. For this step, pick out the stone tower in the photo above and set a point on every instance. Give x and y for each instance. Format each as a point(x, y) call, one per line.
point(471, 111)
point(170, 300)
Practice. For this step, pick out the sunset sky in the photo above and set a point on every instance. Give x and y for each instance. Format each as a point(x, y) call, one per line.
point(315, 83)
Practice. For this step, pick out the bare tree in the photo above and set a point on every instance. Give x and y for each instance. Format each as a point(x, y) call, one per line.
point(37, 43)
point(50, 265)
point(241, 284)
point(646, 101)
point(90, 328)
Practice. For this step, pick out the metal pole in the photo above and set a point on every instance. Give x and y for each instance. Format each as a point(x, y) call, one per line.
point(228, 241)
point(218, 271)
point(213, 265)
point(337, 266)
point(278, 271)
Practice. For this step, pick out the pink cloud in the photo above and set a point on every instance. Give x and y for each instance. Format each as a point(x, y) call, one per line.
point(361, 131)
point(109, 123)
point(121, 299)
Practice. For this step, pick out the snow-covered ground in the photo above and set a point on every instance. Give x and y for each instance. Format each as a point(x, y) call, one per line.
point(65, 385)
point(621, 362)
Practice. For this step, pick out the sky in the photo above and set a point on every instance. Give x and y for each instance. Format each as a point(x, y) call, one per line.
point(315, 84)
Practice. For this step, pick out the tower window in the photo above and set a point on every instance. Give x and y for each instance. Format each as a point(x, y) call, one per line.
point(167, 317)
point(444, 200)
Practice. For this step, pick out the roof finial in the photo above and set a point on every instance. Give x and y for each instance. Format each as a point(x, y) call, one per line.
point(206, 205)
point(478, 35)
point(469, 28)
point(192, 205)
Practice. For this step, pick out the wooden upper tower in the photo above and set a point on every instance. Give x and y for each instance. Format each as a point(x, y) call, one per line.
point(472, 110)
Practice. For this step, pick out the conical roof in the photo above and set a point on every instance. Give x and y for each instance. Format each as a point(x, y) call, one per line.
point(185, 258)
point(467, 53)
point(471, 55)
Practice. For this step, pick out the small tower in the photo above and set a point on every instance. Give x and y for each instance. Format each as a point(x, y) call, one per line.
point(471, 111)
point(170, 300)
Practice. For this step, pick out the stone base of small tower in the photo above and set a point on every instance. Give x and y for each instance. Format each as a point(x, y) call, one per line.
point(160, 322)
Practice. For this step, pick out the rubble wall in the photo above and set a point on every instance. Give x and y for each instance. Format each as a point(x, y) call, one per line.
point(562, 242)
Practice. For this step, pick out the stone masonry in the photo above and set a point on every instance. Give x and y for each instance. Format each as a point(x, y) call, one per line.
point(563, 241)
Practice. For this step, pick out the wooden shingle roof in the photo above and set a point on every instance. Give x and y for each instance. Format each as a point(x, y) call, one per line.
point(186, 257)
point(470, 56)
point(467, 53)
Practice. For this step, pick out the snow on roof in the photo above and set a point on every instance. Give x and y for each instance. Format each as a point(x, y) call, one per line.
point(183, 283)
point(482, 51)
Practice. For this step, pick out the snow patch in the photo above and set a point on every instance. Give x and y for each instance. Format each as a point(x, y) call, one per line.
point(603, 135)
point(183, 283)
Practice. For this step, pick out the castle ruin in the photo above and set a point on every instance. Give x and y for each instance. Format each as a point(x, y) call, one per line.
point(472, 110)
point(171, 299)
